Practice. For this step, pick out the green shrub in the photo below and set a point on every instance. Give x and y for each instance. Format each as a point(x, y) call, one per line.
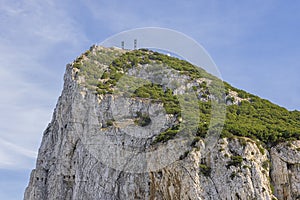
point(143, 120)
point(242, 94)
point(109, 122)
point(272, 188)
point(266, 164)
point(257, 118)
point(203, 85)
point(243, 142)
point(246, 167)
point(232, 175)
point(231, 99)
point(204, 95)
point(105, 75)
point(166, 135)
point(235, 161)
point(205, 170)
point(155, 91)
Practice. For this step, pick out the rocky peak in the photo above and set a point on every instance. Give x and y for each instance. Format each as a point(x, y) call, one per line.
point(123, 129)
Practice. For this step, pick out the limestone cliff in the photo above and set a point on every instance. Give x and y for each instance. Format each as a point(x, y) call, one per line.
point(92, 149)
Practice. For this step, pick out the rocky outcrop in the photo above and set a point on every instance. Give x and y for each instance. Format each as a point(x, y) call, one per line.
point(285, 171)
point(217, 176)
point(88, 153)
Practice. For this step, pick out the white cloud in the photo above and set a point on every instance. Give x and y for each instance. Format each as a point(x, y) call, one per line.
point(29, 31)
point(26, 109)
point(39, 21)
point(13, 156)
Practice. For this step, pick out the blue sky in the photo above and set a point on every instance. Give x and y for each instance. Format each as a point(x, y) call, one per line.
point(255, 45)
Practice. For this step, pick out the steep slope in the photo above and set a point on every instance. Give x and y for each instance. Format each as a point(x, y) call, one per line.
point(114, 137)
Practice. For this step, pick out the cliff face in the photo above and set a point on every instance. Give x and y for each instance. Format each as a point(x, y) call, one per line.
point(285, 173)
point(75, 161)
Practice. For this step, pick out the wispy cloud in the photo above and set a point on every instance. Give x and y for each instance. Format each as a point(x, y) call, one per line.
point(38, 22)
point(14, 156)
point(29, 31)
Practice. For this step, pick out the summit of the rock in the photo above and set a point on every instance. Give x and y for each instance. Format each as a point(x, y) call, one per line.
point(133, 124)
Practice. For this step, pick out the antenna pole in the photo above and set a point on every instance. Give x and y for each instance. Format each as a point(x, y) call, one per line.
point(135, 44)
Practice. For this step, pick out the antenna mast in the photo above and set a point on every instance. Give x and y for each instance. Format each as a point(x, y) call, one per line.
point(135, 44)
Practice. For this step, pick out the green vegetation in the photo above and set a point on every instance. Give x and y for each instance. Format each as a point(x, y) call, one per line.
point(230, 99)
point(272, 188)
point(166, 135)
point(109, 123)
point(143, 119)
point(266, 164)
point(89, 65)
point(255, 118)
point(235, 161)
point(262, 120)
point(232, 175)
point(156, 92)
point(246, 167)
point(205, 170)
point(242, 141)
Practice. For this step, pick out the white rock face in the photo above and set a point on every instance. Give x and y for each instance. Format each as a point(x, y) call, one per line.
point(80, 157)
point(285, 172)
